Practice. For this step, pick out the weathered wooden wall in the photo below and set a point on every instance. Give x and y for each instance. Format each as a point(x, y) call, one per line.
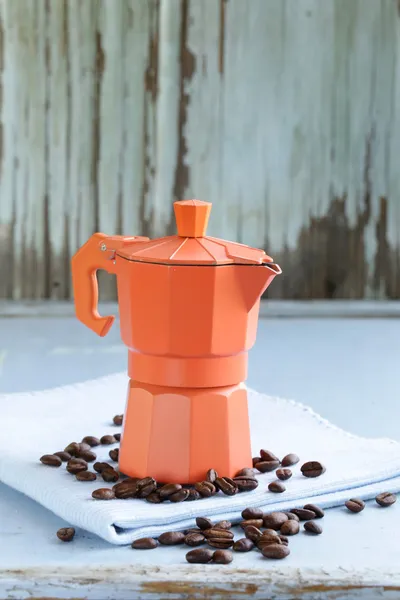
point(284, 113)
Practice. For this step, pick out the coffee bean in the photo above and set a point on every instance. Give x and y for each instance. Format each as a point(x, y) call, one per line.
point(193, 530)
point(252, 533)
point(100, 466)
point(203, 523)
point(243, 545)
point(274, 520)
point(251, 522)
point(83, 447)
point(118, 419)
point(355, 505)
point(114, 454)
point(86, 476)
point(218, 541)
point(268, 456)
point(290, 528)
point(199, 555)
point(246, 472)
point(245, 484)
point(213, 532)
point(290, 460)
point(169, 489)
point(75, 465)
point(283, 474)
point(72, 449)
point(194, 539)
point(66, 534)
point(146, 486)
point(107, 440)
point(91, 441)
point(205, 488)
point(313, 527)
point(266, 466)
point(211, 475)
point(51, 460)
point(171, 538)
point(110, 475)
point(304, 514)
point(126, 489)
point(179, 496)
point(64, 456)
point(284, 539)
point(222, 557)
point(386, 499)
point(146, 543)
point(193, 495)
point(277, 487)
point(226, 485)
point(255, 460)
point(312, 468)
point(154, 498)
point(103, 494)
point(275, 551)
point(252, 513)
point(87, 455)
point(117, 436)
point(223, 525)
point(291, 516)
point(317, 510)
point(267, 540)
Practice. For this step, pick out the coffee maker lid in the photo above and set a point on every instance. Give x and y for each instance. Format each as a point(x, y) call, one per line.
point(191, 246)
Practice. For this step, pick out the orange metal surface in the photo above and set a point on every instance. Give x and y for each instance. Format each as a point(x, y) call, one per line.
point(188, 314)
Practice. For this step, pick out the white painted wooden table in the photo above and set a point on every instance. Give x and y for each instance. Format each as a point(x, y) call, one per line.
point(345, 369)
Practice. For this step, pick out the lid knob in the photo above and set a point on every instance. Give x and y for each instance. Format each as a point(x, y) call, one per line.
point(192, 217)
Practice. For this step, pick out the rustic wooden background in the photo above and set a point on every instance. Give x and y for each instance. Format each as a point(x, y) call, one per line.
point(284, 113)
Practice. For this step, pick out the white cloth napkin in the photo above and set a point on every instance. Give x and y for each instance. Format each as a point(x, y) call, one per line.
point(39, 423)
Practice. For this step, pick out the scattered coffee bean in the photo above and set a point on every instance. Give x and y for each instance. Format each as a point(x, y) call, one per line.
point(222, 557)
point(64, 456)
point(219, 538)
point(275, 520)
point(252, 513)
point(223, 525)
point(266, 466)
point(126, 489)
point(304, 514)
point(100, 466)
point(117, 436)
point(213, 532)
point(243, 545)
point(171, 538)
point(317, 510)
point(180, 496)
point(199, 555)
point(91, 441)
point(86, 476)
point(154, 498)
point(355, 505)
point(146, 486)
point(291, 516)
point(246, 472)
point(107, 440)
point(386, 499)
point(268, 538)
point(110, 475)
point(83, 447)
point(193, 495)
point(284, 539)
point(313, 527)
point(51, 460)
point(203, 523)
point(245, 483)
point(275, 551)
point(103, 494)
point(251, 522)
point(255, 460)
point(66, 534)
point(193, 530)
point(211, 475)
point(290, 460)
point(283, 474)
point(267, 455)
point(146, 543)
point(118, 419)
point(87, 455)
point(72, 449)
point(194, 539)
point(205, 488)
point(226, 485)
point(277, 487)
point(169, 489)
point(312, 468)
point(290, 528)
point(75, 465)
point(114, 454)
point(252, 533)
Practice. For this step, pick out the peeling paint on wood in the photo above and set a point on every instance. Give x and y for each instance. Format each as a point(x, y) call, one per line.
point(285, 115)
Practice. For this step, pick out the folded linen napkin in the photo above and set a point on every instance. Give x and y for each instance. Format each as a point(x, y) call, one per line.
point(44, 422)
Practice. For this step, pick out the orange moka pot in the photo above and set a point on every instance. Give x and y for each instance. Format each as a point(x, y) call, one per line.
point(188, 308)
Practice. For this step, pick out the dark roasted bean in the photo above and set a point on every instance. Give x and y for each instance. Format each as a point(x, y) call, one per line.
point(110, 475)
point(103, 494)
point(291, 516)
point(107, 440)
point(86, 476)
point(252, 533)
point(72, 449)
point(246, 472)
point(211, 475)
point(385, 499)
point(290, 528)
point(252, 513)
point(223, 525)
point(355, 505)
point(290, 460)
point(51, 460)
point(193, 530)
point(169, 489)
point(66, 534)
point(283, 474)
point(203, 523)
point(304, 514)
point(312, 527)
point(179, 496)
point(317, 510)
point(126, 489)
point(146, 486)
point(274, 520)
point(65, 456)
point(254, 522)
point(83, 447)
point(205, 488)
point(277, 487)
point(245, 484)
point(268, 537)
point(222, 543)
point(199, 555)
point(91, 441)
point(222, 557)
point(171, 538)
point(117, 436)
point(275, 551)
point(313, 468)
point(118, 419)
point(243, 545)
point(266, 466)
point(154, 498)
point(226, 485)
point(267, 455)
point(147, 543)
point(255, 460)
point(194, 539)
point(87, 455)
point(284, 539)
point(75, 465)
point(193, 495)
point(100, 466)
point(114, 454)
point(214, 532)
